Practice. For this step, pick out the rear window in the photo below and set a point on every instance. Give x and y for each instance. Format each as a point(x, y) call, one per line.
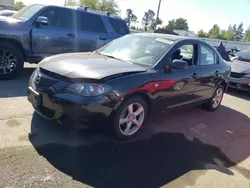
point(119, 26)
point(91, 22)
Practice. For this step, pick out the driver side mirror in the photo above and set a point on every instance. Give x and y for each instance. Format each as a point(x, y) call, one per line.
point(41, 20)
point(178, 64)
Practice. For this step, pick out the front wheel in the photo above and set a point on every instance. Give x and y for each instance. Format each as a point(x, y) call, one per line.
point(130, 118)
point(215, 102)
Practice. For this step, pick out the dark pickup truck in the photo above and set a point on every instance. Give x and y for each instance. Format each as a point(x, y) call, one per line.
point(38, 31)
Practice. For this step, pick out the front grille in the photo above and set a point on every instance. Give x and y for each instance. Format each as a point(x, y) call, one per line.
point(237, 75)
point(43, 82)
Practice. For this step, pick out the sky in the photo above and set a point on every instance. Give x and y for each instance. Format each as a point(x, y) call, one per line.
point(200, 14)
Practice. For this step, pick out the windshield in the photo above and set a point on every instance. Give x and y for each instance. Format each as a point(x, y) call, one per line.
point(27, 12)
point(243, 55)
point(137, 49)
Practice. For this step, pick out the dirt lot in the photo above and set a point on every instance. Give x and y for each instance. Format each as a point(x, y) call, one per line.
point(182, 148)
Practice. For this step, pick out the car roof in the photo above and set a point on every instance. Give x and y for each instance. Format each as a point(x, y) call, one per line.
point(87, 9)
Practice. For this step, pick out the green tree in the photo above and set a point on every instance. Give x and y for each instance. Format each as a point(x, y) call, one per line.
point(155, 23)
point(131, 17)
point(223, 34)
point(101, 5)
point(215, 32)
point(202, 34)
point(179, 23)
point(239, 32)
point(229, 34)
point(148, 20)
point(247, 35)
point(19, 5)
point(71, 3)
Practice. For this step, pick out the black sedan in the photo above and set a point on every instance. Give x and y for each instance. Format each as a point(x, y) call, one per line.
point(240, 75)
point(124, 81)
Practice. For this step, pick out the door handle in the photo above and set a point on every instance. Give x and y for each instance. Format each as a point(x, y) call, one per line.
point(102, 38)
point(72, 35)
point(195, 76)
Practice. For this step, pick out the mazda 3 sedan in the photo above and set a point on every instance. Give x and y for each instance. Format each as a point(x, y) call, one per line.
point(126, 80)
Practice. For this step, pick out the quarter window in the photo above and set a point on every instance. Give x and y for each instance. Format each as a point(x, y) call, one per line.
point(119, 26)
point(91, 22)
point(207, 56)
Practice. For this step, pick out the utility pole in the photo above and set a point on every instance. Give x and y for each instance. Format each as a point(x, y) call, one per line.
point(159, 7)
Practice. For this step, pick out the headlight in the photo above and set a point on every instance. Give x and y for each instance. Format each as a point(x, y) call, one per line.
point(247, 76)
point(88, 89)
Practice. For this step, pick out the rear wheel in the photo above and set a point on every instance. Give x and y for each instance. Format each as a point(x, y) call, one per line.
point(11, 61)
point(214, 103)
point(130, 118)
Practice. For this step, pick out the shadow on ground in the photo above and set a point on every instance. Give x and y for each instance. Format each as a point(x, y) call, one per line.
point(18, 86)
point(238, 93)
point(161, 154)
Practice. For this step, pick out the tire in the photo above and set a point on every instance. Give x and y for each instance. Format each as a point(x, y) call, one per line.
point(10, 54)
point(121, 131)
point(210, 104)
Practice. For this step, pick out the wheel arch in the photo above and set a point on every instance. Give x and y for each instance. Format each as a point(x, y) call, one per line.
point(15, 43)
point(145, 96)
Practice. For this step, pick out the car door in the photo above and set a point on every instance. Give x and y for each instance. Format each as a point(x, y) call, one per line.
point(92, 32)
point(210, 70)
point(59, 36)
point(181, 85)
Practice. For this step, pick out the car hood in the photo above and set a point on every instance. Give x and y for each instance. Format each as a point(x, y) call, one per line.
point(240, 66)
point(8, 19)
point(9, 22)
point(88, 65)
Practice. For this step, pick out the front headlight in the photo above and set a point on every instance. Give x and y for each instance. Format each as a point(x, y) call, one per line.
point(88, 89)
point(247, 76)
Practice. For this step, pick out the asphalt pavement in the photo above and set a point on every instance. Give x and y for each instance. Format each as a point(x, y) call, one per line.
point(181, 148)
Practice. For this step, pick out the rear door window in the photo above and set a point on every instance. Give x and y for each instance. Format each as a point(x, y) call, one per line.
point(91, 22)
point(119, 26)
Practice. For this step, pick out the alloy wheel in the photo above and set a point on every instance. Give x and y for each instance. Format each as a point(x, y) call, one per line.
point(8, 62)
point(131, 119)
point(217, 98)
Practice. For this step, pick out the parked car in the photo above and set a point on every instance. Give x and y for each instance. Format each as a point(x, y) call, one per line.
point(7, 12)
point(240, 75)
point(124, 81)
point(38, 31)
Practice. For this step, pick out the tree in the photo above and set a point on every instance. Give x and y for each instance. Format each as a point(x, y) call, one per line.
point(155, 23)
point(215, 32)
point(19, 5)
point(101, 5)
point(247, 35)
point(179, 23)
point(223, 34)
point(202, 34)
point(148, 20)
point(239, 32)
point(229, 34)
point(71, 3)
point(131, 17)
